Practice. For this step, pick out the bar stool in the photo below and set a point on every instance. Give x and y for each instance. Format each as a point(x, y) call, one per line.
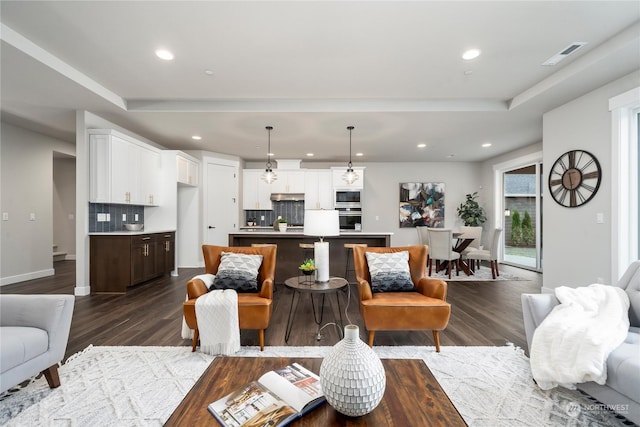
point(307, 250)
point(349, 267)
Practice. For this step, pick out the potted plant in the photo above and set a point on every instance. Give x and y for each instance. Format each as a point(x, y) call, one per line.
point(471, 212)
point(307, 267)
point(280, 224)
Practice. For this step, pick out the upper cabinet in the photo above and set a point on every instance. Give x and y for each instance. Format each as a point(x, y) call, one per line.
point(318, 190)
point(339, 182)
point(289, 181)
point(256, 194)
point(188, 170)
point(122, 169)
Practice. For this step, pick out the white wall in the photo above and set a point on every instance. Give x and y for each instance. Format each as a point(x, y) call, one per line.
point(64, 205)
point(26, 187)
point(577, 249)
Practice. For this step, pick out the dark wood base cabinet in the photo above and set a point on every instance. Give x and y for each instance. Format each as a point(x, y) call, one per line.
point(120, 261)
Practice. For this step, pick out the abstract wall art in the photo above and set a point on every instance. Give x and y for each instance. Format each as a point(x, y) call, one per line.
point(422, 204)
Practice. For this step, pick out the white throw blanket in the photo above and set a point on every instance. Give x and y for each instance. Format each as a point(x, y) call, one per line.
point(217, 316)
point(572, 343)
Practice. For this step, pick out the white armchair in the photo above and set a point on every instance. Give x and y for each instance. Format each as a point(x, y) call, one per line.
point(34, 330)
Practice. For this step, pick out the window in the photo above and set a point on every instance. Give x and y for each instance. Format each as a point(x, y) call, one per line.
point(625, 120)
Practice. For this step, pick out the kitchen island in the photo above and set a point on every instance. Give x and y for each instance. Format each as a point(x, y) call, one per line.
point(290, 255)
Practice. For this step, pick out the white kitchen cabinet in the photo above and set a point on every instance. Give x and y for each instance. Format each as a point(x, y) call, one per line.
point(122, 170)
point(187, 170)
point(256, 194)
point(318, 190)
point(289, 181)
point(339, 182)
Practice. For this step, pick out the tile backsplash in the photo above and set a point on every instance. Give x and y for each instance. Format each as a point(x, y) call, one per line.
point(114, 214)
point(293, 211)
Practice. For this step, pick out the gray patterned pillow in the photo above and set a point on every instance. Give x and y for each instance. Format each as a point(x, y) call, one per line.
point(238, 271)
point(390, 272)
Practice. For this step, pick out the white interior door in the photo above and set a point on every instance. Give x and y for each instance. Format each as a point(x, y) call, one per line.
point(222, 203)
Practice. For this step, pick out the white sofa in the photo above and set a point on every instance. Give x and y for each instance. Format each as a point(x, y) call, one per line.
point(622, 388)
point(34, 330)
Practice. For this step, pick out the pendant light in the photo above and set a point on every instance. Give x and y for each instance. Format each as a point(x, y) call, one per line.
point(269, 175)
point(350, 176)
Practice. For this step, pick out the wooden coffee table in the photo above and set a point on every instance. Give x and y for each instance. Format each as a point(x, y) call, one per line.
point(412, 397)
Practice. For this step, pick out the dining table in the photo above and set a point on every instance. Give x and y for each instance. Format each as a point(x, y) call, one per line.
point(461, 243)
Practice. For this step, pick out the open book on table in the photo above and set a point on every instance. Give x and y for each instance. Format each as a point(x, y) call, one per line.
point(275, 399)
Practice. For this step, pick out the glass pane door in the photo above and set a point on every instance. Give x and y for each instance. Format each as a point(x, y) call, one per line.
point(522, 188)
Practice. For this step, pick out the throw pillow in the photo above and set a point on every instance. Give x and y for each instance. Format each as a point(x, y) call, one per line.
point(238, 271)
point(390, 272)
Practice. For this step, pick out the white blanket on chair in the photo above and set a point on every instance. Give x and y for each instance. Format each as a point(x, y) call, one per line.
point(217, 316)
point(572, 343)
point(207, 279)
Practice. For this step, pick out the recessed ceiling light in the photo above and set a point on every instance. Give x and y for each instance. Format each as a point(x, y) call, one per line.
point(486, 144)
point(208, 72)
point(164, 54)
point(196, 137)
point(359, 154)
point(422, 145)
point(471, 54)
point(270, 154)
point(309, 154)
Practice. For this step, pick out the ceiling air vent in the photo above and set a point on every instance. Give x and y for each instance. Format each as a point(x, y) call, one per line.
point(563, 53)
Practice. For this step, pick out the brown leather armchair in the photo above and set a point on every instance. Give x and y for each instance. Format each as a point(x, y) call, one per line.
point(403, 311)
point(254, 309)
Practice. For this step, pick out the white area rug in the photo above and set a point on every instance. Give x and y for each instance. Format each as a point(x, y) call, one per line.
point(141, 386)
point(481, 274)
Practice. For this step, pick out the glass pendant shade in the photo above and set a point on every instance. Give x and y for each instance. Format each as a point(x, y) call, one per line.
point(350, 176)
point(269, 175)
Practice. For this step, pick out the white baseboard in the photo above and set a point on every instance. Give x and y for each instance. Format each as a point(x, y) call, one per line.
point(26, 276)
point(71, 257)
point(81, 291)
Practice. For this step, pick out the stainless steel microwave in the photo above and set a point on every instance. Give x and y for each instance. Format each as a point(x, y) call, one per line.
point(348, 198)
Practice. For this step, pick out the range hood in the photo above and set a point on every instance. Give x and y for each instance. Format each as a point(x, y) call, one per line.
point(287, 197)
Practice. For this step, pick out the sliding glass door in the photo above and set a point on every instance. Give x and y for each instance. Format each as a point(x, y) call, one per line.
point(522, 200)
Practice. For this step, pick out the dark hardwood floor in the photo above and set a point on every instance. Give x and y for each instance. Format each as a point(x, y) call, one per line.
point(150, 314)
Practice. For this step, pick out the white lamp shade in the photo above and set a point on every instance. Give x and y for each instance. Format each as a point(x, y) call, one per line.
point(321, 223)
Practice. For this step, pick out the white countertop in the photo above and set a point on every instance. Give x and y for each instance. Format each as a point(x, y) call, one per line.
point(128, 233)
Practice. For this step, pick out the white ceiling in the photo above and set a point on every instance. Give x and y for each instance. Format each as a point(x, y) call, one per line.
point(310, 69)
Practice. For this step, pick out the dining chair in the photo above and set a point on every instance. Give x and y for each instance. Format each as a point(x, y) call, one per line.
point(471, 232)
point(490, 255)
point(441, 249)
point(423, 239)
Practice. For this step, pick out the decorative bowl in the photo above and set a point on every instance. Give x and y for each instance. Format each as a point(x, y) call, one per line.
point(134, 227)
point(307, 272)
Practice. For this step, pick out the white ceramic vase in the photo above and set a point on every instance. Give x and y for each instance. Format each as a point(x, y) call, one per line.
point(351, 375)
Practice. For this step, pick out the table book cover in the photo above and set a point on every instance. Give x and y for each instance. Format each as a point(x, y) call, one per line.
point(275, 399)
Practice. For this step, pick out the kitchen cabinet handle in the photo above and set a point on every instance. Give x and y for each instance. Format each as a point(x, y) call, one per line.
point(166, 246)
point(145, 238)
point(167, 236)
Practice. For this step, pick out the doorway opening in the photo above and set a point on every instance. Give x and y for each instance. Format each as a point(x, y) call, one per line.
point(522, 210)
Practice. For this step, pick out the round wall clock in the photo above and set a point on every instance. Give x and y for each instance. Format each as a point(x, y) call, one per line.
point(574, 178)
